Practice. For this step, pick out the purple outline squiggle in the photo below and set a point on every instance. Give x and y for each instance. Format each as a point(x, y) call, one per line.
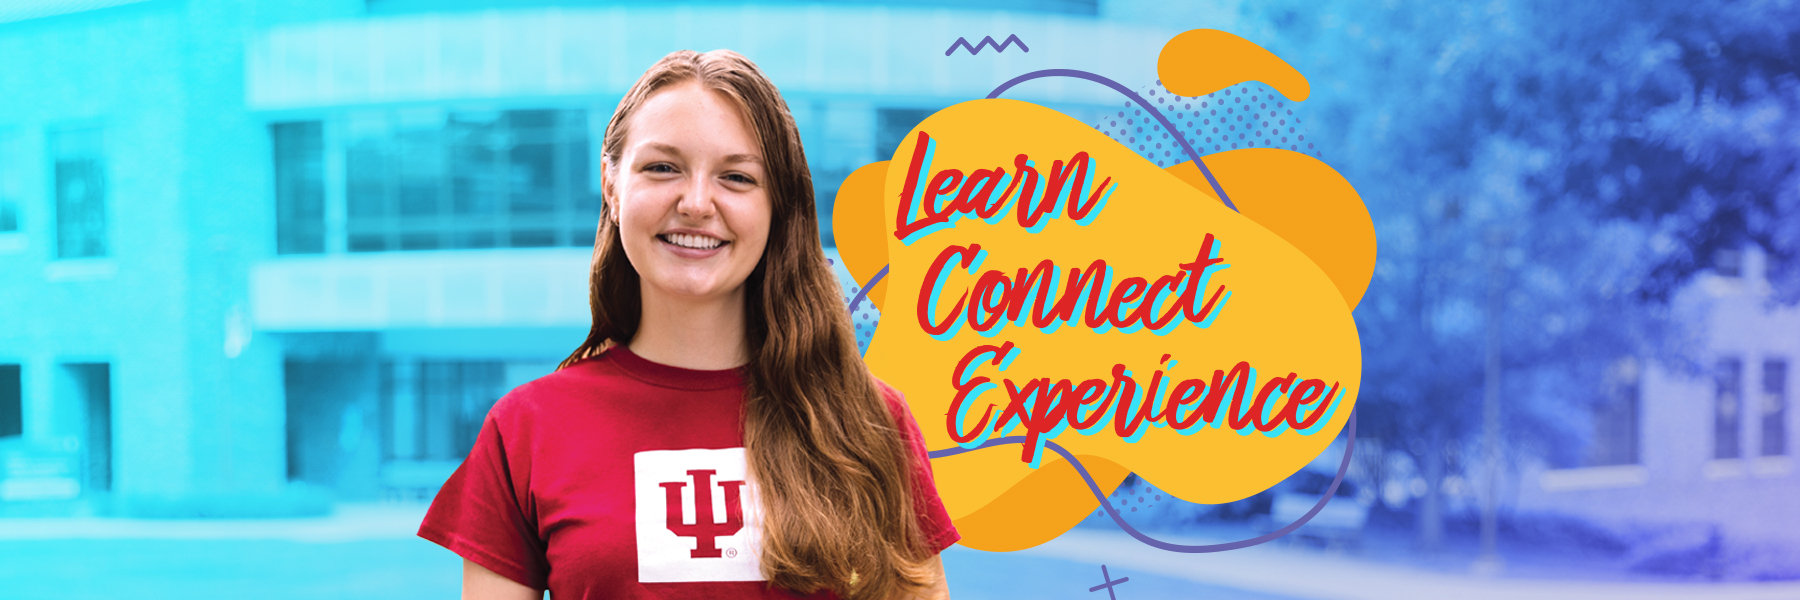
point(1343, 467)
point(1350, 438)
point(864, 292)
point(1117, 87)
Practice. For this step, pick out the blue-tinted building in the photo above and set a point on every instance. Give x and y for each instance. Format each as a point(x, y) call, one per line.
point(247, 244)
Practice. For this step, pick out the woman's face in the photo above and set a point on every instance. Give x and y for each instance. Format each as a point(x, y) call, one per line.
point(691, 195)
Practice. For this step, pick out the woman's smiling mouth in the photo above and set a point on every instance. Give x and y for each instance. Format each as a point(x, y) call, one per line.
point(691, 241)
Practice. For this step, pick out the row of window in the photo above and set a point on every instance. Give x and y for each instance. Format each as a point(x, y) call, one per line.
point(428, 179)
point(1617, 418)
point(77, 180)
point(432, 178)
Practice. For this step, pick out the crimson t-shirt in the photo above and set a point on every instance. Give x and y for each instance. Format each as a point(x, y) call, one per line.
point(584, 482)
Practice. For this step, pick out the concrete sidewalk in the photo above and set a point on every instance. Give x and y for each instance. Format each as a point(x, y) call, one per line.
point(1301, 573)
point(348, 523)
point(370, 551)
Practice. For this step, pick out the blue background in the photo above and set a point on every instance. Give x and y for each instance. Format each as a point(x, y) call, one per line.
point(265, 264)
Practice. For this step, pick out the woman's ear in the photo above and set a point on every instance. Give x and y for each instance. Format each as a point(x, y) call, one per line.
point(606, 191)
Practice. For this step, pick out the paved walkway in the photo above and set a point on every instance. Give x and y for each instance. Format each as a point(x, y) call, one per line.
point(349, 523)
point(369, 551)
point(1302, 573)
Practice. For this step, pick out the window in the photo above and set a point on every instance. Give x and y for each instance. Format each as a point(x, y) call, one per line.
point(1728, 375)
point(12, 409)
point(891, 127)
point(299, 187)
point(1615, 440)
point(435, 408)
point(80, 179)
point(1774, 407)
point(1728, 262)
point(12, 167)
point(426, 179)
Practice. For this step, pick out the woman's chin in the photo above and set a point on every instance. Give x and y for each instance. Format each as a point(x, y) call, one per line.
point(692, 291)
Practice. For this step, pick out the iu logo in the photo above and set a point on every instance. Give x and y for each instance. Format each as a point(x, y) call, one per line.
point(705, 530)
point(698, 518)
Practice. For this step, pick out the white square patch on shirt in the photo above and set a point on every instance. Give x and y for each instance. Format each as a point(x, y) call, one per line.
point(679, 540)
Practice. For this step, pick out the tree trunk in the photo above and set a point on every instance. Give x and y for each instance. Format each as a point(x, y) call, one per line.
point(1431, 511)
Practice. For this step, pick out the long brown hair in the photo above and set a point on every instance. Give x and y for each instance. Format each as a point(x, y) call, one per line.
point(823, 445)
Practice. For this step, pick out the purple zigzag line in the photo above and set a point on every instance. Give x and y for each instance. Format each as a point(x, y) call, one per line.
point(963, 42)
point(987, 42)
point(1343, 467)
point(1167, 126)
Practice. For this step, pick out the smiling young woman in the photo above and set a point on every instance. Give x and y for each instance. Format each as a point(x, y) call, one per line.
point(717, 434)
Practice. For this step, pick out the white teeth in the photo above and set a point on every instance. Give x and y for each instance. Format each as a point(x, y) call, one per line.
point(697, 242)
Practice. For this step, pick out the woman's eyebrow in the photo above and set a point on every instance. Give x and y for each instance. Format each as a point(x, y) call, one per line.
point(676, 152)
point(663, 148)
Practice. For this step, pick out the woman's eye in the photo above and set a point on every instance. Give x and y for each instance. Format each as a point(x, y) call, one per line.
point(660, 168)
point(741, 178)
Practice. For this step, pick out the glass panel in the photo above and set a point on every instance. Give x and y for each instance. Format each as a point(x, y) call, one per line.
point(1774, 407)
point(533, 178)
point(12, 180)
point(533, 239)
point(421, 179)
point(472, 239)
point(1728, 379)
point(891, 125)
point(299, 187)
point(12, 408)
point(1615, 440)
point(367, 243)
point(421, 172)
point(364, 168)
point(475, 184)
point(80, 193)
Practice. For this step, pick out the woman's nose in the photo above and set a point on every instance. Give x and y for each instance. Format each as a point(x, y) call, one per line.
point(697, 201)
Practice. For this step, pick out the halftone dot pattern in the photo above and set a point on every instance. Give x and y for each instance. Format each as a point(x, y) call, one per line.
point(865, 317)
point(1248, 115)
point(1130, 498)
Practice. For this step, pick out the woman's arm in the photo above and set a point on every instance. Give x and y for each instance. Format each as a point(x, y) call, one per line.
point(481, 584)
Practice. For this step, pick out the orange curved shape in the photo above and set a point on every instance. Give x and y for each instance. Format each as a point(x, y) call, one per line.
point(1302, 200)
point(1203, 61)
point(857, 218)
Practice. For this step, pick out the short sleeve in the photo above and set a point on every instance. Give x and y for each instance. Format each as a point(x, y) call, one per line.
point(934, 520)
point(483, 512)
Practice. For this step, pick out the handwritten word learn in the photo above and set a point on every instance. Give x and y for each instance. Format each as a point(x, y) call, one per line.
point(1037, 195)
point(1046, 409)
point(1135, 302)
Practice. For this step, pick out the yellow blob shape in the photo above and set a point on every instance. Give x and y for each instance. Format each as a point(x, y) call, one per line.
point(856, 220)
point(1284, 315)
point(1203, 61)
point(1302, 200)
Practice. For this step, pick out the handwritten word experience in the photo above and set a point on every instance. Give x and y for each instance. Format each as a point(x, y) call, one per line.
point(1046, 296)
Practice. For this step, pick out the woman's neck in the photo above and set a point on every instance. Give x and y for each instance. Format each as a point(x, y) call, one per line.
point(702, 334)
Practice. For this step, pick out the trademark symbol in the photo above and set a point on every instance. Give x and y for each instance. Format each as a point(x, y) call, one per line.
point(731, 553)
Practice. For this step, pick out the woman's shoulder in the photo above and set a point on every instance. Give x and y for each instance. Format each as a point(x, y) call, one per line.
point(895, 399)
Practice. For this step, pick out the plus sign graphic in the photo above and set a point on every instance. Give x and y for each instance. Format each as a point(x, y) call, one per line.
point(1110, 582)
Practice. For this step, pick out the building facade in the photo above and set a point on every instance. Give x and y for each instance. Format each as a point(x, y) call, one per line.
point(264, 255)
point(1696, 448)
